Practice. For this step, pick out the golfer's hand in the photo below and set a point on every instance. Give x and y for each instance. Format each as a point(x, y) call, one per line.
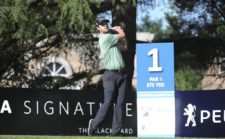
point(117, 28)
point(120, 31)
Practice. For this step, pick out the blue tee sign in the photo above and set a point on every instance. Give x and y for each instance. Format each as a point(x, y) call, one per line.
point(155, 67)
point(155, 90)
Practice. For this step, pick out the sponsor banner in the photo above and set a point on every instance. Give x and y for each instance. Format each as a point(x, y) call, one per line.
point(155, 90)
point(200, 113)
point(58, 112)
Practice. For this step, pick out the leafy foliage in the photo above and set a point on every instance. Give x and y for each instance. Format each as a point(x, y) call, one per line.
point(199, 32)
point(202, 23)
point(199, 18)
point(153, 27)
point(24, 24)
point(187, 78)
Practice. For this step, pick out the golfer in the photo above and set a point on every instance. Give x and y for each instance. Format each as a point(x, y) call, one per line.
point(114, 78)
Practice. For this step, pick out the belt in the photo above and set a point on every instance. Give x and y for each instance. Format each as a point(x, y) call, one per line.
point(114, 70)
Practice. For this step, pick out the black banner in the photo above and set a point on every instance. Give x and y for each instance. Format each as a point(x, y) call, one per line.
point(67, 112)
point(58, 112)
point(200, 113)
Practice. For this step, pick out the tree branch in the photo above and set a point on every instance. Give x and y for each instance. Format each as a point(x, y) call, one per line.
point(214, 6)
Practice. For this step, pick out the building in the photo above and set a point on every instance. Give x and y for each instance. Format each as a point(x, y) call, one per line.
point(78, 57)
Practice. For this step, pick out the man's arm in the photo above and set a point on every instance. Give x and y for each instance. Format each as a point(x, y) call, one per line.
point(122, 37)
point(120, 32)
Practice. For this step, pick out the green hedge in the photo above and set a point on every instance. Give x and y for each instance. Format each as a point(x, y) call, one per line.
point(187, 78)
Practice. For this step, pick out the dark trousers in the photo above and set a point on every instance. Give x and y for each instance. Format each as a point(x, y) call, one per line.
point(114, 83)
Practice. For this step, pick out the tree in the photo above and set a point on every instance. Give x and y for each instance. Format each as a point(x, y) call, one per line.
point(120, 17)
point(198, 35)
point(199, 18)
point(154, 27)
point(24, 24)
point(202, 19)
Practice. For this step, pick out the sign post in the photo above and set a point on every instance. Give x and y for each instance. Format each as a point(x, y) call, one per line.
point(155, 90)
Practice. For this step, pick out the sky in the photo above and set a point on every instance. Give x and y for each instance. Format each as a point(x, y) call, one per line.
point(156, 13)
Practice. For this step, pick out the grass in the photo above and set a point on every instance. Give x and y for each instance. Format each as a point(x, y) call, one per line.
point(82, 137)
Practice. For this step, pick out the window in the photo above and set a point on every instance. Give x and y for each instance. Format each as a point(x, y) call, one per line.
point(56, 66)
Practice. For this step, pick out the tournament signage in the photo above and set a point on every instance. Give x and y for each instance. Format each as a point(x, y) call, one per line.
point(58, 112)
point(155, 90)
point(200, 113)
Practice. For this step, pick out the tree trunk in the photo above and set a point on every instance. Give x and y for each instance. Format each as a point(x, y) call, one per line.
point(124, 14)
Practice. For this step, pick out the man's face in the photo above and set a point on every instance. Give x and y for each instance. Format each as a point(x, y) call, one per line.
point(103, 27)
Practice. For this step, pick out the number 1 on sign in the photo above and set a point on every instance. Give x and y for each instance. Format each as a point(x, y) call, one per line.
point(155, 66)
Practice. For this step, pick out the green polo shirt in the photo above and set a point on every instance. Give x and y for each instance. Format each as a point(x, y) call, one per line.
point(112, 56)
